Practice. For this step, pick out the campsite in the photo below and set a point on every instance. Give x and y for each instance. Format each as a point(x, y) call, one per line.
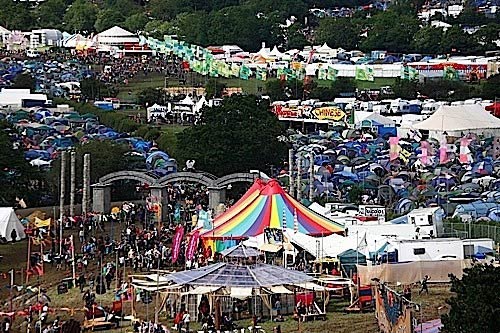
point(249, 167)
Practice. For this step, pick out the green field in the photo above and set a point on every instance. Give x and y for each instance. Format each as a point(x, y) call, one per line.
point(128, 93)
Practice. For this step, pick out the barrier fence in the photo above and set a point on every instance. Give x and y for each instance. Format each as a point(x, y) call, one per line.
point(472, 230)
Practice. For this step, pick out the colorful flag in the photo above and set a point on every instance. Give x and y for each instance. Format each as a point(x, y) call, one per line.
point(364, 73)
point(393, 148)
point(450, 73)
point(245, 72)
point(39, 223)
point(192, 245)
point(465, 153)
point(443, 152)
point(331, 74)
point(322, 73)
point(409, 73)
point(425, 152)
point(176, 243)
point(177, 213)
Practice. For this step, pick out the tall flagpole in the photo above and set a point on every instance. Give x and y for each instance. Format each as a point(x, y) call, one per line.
point(72, 184)
point(61, 199)
point(73, 259)
point(290, 172)
point(28, 262)
point(299, 179)
point(311, 177)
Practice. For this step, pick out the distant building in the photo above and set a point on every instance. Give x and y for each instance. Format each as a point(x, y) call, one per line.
point(18, 98)
point(44, 37)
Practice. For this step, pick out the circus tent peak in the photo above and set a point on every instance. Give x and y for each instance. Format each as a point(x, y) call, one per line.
point(267, 205)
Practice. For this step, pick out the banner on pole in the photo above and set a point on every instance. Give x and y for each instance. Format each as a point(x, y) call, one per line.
point(176, 243)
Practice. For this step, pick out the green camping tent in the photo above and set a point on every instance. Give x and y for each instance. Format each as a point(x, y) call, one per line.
point(348, 260)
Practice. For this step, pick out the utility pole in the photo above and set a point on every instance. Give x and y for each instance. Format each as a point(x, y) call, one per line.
point(72, 184)
point(61, 198)
point(311, 177)
point(290, 172)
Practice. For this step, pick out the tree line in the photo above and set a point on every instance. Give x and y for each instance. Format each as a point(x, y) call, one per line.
point(248, 23)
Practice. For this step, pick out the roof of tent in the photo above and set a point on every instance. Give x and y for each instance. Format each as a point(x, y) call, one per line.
point(3, 30)
point(232, 275)
point(240, 251)
point(8, 222)
point(459, 118)
point(351, 254)
point(116, 35)
point(324, 49)
point(264, 206)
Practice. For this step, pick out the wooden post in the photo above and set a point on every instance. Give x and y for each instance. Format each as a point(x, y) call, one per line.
point(28, 262)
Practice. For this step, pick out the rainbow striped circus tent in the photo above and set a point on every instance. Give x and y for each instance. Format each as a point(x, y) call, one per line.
point(267, 205)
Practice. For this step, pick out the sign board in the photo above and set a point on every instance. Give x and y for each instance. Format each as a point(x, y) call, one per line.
point(330, 113)
point(376, 211)
point(286, 112)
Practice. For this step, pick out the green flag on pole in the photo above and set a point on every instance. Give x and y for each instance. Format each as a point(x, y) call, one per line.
point(331, 74)
point(450, 73)
point(364, 73)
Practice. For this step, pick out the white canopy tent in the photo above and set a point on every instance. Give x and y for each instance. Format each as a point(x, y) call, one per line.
point(460, 120)
point(115, 36)
point(9, 222)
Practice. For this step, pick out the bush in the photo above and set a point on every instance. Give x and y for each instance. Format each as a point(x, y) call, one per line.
point(152, 134)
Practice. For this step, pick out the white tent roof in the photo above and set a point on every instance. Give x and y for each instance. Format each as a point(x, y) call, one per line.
point(324, 49)
point(276, 53)
point(156, 107)
point(3, 30)
point(9, 222)
point(116, 35)
point(186, 101)
point(460, 118)
point(359, 116)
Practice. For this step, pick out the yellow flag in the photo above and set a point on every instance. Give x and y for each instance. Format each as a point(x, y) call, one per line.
point(39, 223)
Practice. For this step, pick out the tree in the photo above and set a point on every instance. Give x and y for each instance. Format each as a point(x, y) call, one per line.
point(474, 308)
point(94, 89)
point(406, 89)
point(214, 88)
point(238, 136)
point(425, 39)
point(24, 81)
point(328, 32)
point(136, 22)
point(17, 177)
point(491, 88)
point(455, 40)
point(105, 157)
point(50, 12)
point(296, 38)
point(487, 35)
point(391, 31)
point(16, 15)
point(81, 16)
point(158, 29)
point(108, 18)
point(166, 10)
point(150, 96)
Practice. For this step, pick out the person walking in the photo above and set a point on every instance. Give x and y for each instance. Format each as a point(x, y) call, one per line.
point(424, 285)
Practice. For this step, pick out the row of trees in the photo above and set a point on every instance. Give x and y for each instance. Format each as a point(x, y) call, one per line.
point(248, 23)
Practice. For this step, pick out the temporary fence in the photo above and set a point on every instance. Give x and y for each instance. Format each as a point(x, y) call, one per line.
point(472, 230)
point(413, 272)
